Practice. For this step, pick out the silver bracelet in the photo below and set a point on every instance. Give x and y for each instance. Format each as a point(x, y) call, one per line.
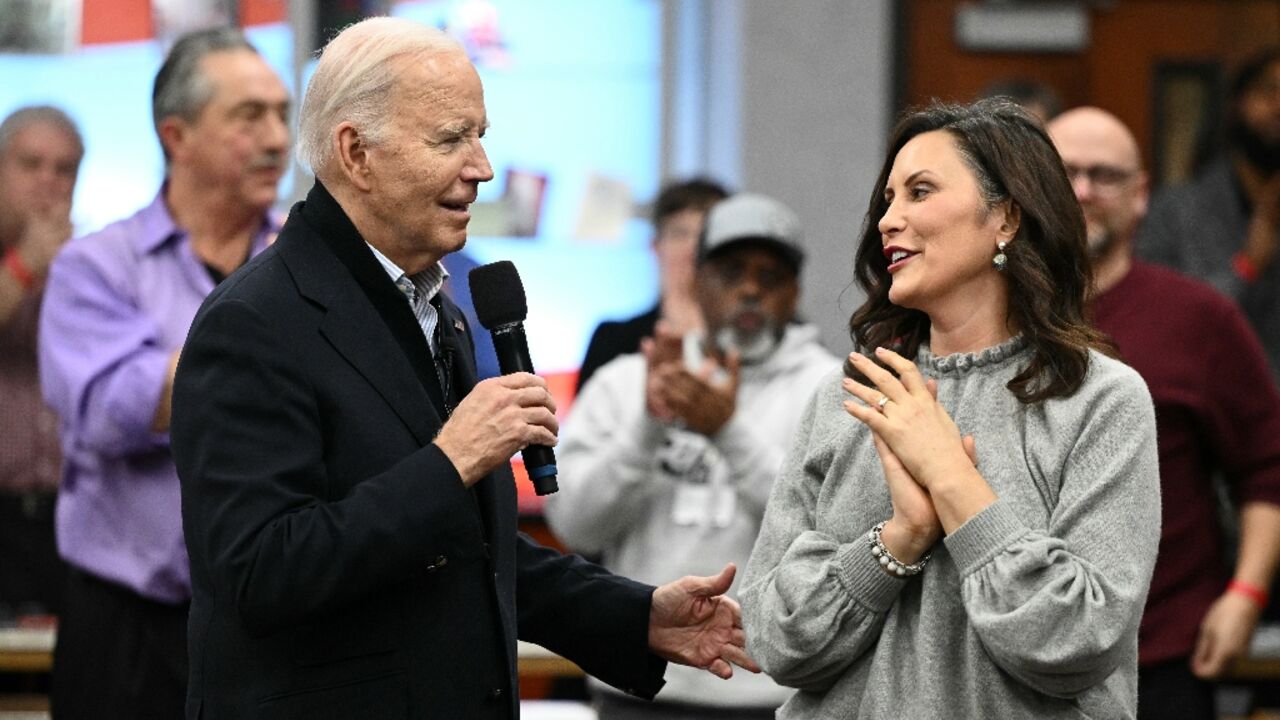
point(891, 564)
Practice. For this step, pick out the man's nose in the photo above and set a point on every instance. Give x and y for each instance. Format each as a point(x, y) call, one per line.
point(749, 286)
point(1082, 186)
point(277, 135)
point(479, 169)
point(47, 176)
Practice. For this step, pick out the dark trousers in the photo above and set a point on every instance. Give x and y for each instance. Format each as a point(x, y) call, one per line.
point(32, 576)
point(119, 655)
point(1169, 690)
point(616, 707)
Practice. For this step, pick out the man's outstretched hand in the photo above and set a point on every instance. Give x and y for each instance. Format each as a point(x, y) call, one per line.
point(691, 622)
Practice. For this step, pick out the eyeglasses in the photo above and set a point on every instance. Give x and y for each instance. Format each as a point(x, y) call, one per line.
point(1103, 178)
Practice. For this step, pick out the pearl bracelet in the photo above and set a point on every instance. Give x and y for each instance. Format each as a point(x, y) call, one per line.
point(891, 564)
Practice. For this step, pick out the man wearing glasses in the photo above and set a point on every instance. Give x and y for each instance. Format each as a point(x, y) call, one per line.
point(1217, 415)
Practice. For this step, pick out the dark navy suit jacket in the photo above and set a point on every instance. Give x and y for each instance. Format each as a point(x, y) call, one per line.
point(340, 568)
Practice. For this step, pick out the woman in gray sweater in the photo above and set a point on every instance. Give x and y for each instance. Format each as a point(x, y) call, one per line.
point(967, 521)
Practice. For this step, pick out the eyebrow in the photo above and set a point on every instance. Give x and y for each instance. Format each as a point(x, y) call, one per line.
point(888, 188)
point(916, 176)
point(246, 104)
point(462, 126)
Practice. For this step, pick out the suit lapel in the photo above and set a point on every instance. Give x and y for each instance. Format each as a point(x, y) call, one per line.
point(355, 329)
point(361, 337)
point(495, 492)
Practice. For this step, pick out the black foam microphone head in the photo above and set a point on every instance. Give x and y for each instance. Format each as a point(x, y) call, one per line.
point(498, 294)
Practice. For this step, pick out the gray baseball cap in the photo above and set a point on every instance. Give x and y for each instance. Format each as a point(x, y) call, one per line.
point(756, 218)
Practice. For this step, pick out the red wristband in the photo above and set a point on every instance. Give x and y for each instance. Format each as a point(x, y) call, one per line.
point(18, 269)
point(1245, 268)
point(1253, 592)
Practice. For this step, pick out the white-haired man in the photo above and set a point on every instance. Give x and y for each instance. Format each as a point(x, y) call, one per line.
point(117, 308)
point(347, 500)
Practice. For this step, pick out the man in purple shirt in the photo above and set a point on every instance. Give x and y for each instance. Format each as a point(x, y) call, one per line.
point(118, 306)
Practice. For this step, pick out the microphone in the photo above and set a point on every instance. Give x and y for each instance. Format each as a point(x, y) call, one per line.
point(498, 297)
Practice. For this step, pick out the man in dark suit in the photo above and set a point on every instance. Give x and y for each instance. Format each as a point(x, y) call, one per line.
point(347, 499)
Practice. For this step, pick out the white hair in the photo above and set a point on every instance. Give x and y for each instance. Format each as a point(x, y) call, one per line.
point(353, 82)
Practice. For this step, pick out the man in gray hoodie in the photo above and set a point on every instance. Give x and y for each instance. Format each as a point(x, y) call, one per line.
point(669, 455)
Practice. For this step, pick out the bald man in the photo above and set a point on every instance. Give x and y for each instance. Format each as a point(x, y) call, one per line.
point(1217, 415)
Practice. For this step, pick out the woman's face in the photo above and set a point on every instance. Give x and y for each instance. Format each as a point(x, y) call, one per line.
point(937, 232)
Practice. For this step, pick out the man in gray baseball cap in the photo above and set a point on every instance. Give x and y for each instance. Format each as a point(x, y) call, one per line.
point(669, 455)
point(749, 265)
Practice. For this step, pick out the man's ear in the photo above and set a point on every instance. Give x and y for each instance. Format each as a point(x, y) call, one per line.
point(1142, 194)
point(352, 155)
point(1011, 222)
point(172, 132)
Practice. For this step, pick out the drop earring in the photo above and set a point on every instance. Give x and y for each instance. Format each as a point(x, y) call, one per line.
point(1000, 260)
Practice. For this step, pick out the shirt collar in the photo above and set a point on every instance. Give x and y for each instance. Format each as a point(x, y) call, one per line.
point(158, 227)
point(424, 284)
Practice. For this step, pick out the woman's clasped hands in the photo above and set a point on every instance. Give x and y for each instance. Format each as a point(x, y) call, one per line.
point(921, 448)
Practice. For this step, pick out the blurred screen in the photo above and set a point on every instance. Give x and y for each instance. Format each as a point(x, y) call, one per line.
point(572, 88)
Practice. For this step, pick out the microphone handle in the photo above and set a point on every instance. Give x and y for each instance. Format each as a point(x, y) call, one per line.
point(512, 349)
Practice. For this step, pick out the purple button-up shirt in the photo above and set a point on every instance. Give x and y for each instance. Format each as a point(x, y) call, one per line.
point(118, 302)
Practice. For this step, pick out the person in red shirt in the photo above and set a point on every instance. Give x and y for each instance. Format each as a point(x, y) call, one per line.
point(40, 153)
point(1217, 416)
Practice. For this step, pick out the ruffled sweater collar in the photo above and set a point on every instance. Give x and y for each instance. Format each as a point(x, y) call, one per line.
point(961, 363)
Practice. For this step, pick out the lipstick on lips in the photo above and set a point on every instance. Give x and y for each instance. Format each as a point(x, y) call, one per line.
point(897, 256)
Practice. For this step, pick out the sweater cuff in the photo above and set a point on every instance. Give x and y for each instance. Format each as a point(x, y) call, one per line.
point(984, 536)
point(861, 573)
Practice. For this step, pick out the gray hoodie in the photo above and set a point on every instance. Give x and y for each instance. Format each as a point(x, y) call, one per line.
point(656, 502)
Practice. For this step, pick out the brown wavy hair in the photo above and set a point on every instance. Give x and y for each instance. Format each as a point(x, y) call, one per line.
point(1048, 267)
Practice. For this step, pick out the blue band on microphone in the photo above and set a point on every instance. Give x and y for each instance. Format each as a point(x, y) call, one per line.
point(540, 472)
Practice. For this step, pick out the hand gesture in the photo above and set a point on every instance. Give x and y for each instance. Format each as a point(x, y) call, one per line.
point(661, 351)
point(1260, 242)
point(691, 622)
point(706, 400)
point(1224, 634)
point(499, 417)
point(915, 526)
point(904, 413)
point(47, 228)
point(1268, 202)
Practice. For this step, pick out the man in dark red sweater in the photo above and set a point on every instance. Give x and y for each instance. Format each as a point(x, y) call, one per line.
point(1217, 415)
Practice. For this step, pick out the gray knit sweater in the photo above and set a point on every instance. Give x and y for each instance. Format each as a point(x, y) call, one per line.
point(1029, 610)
